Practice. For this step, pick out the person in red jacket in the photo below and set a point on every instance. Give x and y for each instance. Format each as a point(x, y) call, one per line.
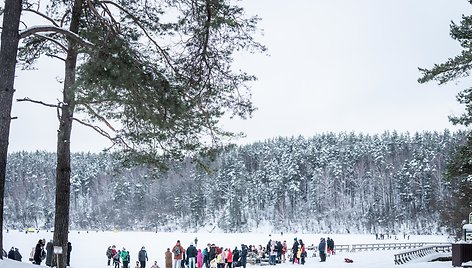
point(229, 258)
point(178, 251)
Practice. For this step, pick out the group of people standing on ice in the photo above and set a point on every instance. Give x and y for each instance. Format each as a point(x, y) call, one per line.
point(325, 246)
point(123, 257)
point(43, 251)
point(211, 256)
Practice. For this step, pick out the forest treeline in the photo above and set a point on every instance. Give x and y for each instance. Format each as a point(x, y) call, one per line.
point(346, 182)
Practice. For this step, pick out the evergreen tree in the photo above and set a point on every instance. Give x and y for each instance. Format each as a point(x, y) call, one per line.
point(453, 69)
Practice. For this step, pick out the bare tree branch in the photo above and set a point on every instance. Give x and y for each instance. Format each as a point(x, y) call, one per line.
point(64, 18)
point(48, 28)
point(42, 15)
point(55, 56)
point(39, 102)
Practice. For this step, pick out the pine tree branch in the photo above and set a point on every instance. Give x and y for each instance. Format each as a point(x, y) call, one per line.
point(103, 119)
point(48, 28)
point(138, 22)
point(101, 18)
point(52, 40)
point(96, 128)
point(99, 130)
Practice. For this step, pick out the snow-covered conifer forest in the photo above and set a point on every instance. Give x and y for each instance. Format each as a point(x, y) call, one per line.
point(345, 183)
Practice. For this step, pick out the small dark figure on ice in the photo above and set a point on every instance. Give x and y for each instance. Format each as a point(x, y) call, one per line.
point(322, 249)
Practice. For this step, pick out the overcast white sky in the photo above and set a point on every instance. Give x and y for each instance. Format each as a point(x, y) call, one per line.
point(334, 65)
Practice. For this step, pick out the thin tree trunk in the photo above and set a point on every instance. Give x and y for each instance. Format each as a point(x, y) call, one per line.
point(8, 52)
point(63, 169)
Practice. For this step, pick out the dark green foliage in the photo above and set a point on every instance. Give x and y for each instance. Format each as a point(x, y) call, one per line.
point(459, 172)
point(159, 73)
point(459, 176)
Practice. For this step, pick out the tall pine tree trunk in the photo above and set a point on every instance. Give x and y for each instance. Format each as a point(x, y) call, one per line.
point(8, 52)
point(63, 169)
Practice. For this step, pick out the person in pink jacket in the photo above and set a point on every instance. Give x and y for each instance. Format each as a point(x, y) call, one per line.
point(199, 259)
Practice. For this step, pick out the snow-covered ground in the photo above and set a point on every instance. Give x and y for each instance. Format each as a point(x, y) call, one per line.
point(88, 248)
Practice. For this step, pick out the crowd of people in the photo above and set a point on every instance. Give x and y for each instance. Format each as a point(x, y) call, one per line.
point(213, 256)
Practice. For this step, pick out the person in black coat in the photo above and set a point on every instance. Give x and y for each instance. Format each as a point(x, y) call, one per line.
point(18, 256)
point(142, 257)
point(236, 257)
point(212, 252)
point(243, 257)
point(280, 248)
point(39, 252)
point(69, 249)
point(322, 249)
point(191, 255)
point(11, 253)
point(294, 250)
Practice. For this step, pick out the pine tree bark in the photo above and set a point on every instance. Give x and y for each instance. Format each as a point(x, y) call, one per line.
point(8, 53)
point(63, 169)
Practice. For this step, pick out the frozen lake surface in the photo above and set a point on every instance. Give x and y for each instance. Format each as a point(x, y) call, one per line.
point(88, 248)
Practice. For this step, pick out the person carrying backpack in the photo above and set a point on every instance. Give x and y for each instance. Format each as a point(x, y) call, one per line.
point(178, 251)
point(124, 258)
